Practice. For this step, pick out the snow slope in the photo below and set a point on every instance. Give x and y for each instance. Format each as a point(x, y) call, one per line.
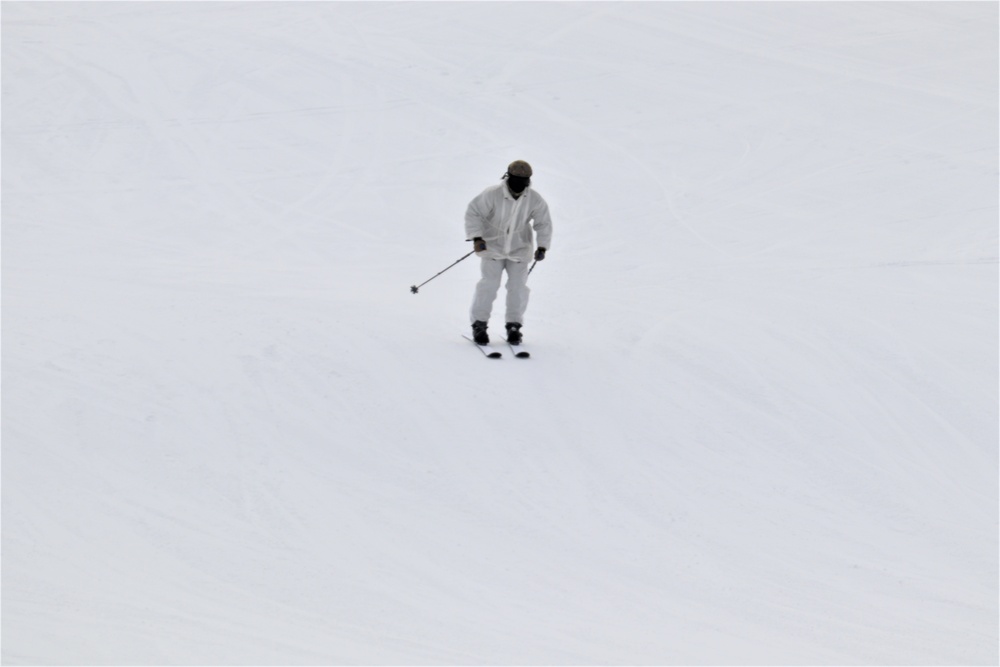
point(761, 423)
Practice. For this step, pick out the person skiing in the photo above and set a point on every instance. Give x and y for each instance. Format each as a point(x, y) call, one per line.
point(502, 222)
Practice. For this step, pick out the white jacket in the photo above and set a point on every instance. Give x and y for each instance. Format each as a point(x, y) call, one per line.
point(509, 225)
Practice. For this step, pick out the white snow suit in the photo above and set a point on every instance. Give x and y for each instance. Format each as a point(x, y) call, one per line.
point(508, 226)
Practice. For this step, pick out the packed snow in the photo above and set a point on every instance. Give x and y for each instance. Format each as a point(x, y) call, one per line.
point(760, 422)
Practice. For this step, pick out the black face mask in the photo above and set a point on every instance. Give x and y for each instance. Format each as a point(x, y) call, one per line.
point(517, 184)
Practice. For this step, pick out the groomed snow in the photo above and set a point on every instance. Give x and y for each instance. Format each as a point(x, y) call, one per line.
point(761, 422)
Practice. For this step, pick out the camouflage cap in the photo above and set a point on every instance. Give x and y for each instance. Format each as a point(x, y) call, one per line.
point(519, 168)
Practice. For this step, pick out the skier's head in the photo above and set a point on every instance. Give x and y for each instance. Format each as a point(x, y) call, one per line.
point(518, 176)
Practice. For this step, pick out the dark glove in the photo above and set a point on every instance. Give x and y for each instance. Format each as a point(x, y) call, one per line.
point(478, 244)
point(540, 254)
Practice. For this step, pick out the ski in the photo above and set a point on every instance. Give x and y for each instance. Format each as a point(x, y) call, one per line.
point(519, 351)
point(490, 352)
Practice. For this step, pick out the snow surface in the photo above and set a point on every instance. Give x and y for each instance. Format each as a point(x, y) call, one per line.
point(761, 421)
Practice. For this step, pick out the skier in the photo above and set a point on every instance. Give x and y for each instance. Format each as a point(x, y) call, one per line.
point(502, 222)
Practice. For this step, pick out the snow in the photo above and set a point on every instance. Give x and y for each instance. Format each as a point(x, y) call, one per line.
point(760, 423)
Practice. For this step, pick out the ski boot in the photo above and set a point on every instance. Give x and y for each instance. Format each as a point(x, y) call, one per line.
point(514, 333)
point(479, 333)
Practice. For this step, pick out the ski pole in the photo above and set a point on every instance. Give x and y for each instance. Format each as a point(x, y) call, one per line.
point(416, 288)
point(532, 267)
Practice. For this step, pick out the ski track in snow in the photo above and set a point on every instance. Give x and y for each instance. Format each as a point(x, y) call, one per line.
point(759, 424)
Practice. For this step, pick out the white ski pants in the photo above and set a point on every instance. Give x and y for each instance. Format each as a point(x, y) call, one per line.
point(489, 285)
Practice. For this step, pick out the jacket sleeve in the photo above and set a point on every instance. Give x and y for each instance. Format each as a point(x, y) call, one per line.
point(476, 215)
point(542, 224)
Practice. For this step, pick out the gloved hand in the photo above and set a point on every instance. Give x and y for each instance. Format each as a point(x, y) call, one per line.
point(540, 254)
point(478, 244)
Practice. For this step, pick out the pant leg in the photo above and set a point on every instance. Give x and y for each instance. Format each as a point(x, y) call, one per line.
point(517, 290)
point(486, 289)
